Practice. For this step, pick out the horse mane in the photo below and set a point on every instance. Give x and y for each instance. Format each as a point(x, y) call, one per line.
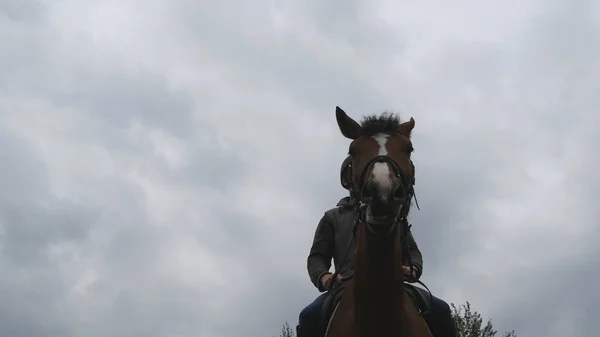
point(384, 123)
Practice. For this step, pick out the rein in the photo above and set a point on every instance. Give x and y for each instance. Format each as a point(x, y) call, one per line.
point(361, 216)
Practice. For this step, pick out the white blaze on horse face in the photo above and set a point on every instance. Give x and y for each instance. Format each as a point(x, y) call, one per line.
point(381, 171)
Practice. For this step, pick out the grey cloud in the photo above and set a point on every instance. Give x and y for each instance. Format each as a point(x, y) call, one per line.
point(291, 60)
point(233, 232)
point(214, 167)
point(19, 161)
point(31, 222)
point(484, 113)
point(24, 11)
point(115, 102)
point(118, 100)
point(29, 232)
point(573, 297)
point(30, 299)
point(32, 219)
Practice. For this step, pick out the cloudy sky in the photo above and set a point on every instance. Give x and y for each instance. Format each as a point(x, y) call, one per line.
point(164, 164)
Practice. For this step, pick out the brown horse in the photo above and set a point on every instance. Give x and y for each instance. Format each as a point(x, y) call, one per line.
point(375, 303)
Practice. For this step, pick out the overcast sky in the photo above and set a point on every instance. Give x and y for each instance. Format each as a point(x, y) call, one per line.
point(164, 164)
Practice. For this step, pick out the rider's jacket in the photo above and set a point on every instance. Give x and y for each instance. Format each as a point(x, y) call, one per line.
point(331, 240)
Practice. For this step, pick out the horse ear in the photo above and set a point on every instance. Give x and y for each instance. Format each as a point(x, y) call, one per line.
point(407, 127)
point(348, 126)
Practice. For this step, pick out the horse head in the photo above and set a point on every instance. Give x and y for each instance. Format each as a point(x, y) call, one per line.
point(382, 172)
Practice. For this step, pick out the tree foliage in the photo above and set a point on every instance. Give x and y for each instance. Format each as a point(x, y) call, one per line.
point(286, 331)
point(469, 323)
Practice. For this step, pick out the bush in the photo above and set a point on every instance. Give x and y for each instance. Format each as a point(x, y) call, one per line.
point(286, 331)
point(469, 323)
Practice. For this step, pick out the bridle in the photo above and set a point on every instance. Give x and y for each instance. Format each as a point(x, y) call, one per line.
point(406, 184)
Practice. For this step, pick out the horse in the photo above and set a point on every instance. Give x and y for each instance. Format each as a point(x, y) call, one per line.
point(375, 302)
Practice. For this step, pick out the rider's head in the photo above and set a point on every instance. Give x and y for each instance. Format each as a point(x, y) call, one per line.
point(346, 173)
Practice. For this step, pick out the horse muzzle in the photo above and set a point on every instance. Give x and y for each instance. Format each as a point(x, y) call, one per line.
point(391, 195)
point(383, 203)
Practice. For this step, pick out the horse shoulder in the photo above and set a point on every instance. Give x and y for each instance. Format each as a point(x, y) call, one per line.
point(342, 323)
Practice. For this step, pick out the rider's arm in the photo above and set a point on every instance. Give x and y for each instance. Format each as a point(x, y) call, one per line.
point(321, 252)
point(415, 255)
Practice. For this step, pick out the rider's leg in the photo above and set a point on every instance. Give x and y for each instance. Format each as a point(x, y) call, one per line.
point(308, 320)
point(440, 320)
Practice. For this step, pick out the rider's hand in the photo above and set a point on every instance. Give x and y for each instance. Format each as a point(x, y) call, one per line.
point(408, 274)
point(326, 280)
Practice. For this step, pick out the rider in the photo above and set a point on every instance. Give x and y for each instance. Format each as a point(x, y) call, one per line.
point(330, 241)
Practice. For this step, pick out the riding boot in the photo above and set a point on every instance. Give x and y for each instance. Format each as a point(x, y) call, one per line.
point(309, 331)
point(452, 330)
point(305, 331)
point(301, 332)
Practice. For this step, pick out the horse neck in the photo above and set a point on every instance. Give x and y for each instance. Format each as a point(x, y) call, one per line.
point(378, 283)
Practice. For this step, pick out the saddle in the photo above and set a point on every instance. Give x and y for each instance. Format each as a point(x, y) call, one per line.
point(419, 296)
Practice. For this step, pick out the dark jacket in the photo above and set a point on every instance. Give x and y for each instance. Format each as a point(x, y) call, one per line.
point(331, 241)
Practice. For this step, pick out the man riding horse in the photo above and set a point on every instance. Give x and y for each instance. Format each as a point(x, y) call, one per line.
point(332, 240)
